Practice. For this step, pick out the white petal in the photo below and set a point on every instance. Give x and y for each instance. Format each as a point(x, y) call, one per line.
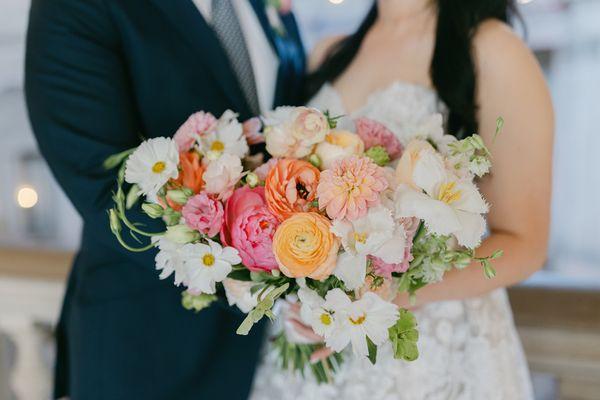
point(438, 216)
point(470, 199)
point(338, 339)
point(231, 255)
point(359, 343)
point(392, 251)
point(337, 300)
point(429, 171)
point(472, 228)
point(351, 269)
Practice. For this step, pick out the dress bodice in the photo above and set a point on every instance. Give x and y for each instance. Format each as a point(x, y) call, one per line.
point(407, 109)
point(469, 349)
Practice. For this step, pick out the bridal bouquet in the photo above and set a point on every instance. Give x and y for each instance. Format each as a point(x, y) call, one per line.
point(336, 222)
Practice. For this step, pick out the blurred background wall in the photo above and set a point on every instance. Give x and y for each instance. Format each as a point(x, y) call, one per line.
point(558, 310)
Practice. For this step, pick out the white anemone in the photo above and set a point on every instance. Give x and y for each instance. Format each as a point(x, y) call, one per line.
point(228, 137)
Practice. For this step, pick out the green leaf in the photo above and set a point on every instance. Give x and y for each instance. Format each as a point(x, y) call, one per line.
point(262, 308)
point(372, 347)
point(116, 159)
point(197, 302)
point(404, 336)
point(240, 274)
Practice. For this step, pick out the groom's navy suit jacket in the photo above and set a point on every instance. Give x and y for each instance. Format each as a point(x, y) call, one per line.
point(101, 74)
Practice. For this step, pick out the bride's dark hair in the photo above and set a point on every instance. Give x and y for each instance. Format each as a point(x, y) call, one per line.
point(452, 68)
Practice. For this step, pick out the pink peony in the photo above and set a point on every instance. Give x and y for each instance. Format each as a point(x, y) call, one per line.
point(204, 214)
point(350, 187)
point(381, 268)
point(375, 134)
point(196, 125)
point(249, 227)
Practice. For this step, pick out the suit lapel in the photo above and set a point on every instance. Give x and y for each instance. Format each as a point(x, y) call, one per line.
point(187, 20)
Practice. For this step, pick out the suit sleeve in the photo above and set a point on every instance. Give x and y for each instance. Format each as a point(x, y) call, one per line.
point(81, 107)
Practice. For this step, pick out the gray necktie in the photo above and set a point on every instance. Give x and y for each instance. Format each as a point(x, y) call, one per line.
point(227, 27)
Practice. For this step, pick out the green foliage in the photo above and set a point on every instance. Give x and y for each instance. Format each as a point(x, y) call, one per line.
point(372, 348)
point(296, 357)
point(404, 336)
point(196, 302)
point(332, 121)
point(379, 155)
point(263, 308)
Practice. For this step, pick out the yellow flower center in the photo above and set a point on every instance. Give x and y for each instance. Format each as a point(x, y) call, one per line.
point(208, 260)
point(448, 194)
point(217, 145)
point(360, 237)
point(326, 319)
point(359, 320)
point(159, 167)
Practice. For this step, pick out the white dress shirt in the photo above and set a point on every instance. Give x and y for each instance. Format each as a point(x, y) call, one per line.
point(264, 60)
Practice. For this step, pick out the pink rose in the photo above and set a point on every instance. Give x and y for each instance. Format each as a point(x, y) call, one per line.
point(381, 268)
point(310, 126)
point(204, 214)
point(196, 125)
point(249, 227)
point(375, 134)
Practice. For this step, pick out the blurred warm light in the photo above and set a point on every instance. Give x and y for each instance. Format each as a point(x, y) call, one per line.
point(27, 197)
point(340, 1)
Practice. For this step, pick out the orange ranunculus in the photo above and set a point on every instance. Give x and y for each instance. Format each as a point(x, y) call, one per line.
point(190, 175)
point(305, 247)
point(406, 164)
point(290, 187)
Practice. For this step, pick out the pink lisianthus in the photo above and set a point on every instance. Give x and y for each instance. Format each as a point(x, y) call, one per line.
point(381, 268)
point(249, 227)
point(251, 129)
point(350, 187)
point(374, 133)
point(204, 214)
point(195, 126)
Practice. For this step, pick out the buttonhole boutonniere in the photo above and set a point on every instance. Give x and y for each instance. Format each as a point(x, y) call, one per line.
point(275, 9)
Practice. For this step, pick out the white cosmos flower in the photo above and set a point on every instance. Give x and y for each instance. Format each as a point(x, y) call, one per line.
point(447, 204)
point(152, 164)
point(207, 264)
point(354, 321)
point(313, 313)
point(169, 259)
point(228, 137)
point(375, 234)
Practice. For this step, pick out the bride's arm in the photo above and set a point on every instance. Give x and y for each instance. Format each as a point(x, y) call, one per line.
point(510, 84)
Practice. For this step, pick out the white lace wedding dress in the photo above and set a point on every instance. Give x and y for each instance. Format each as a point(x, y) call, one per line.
point(469, 350)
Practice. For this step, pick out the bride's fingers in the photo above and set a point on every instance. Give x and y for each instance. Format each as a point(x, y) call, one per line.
point(304, 330)
point(320, 354)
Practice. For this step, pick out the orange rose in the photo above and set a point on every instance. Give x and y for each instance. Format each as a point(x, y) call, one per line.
point(305, 247)
point(406, 164)
point(291, 187)
point(190, 175)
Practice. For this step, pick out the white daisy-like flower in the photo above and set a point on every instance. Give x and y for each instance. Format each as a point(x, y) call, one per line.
point(369, 317)
point(447, 204)
point(207, 264)
point(169, 259)
point(313, 313)
point(152, 164)
point(228, 137)
point(375, 234)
